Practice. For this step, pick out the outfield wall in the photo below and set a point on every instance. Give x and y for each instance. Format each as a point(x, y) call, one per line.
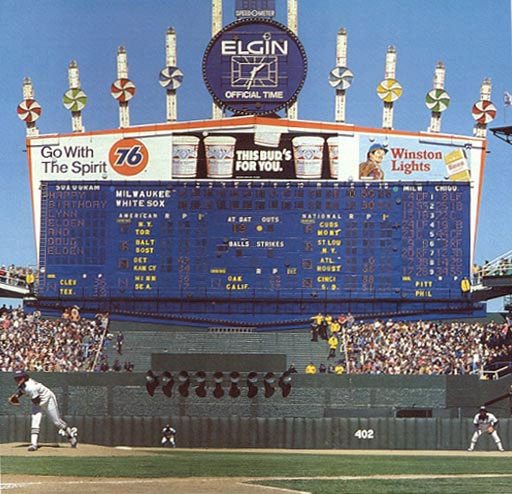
point(245, 432)
point(322, 411)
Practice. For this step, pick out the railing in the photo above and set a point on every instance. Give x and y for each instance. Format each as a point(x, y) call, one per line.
point(504, 370)
point(13, 281)
point(500, 266)
point(100, 349)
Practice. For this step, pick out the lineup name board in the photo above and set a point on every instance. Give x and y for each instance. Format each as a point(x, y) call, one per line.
point(253, 240)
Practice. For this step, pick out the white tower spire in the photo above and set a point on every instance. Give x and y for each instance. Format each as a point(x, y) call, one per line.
point(122, 88)
point(74, 98)
point(484, 110)
point(171, 60)
point(29, 110)
point(437, 100)
point(216, 27)
point(389, 90)
point(122, 76)
point(293, 25)
point(341, 61)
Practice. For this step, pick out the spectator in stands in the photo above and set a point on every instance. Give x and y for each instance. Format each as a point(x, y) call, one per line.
point(292, 369)
point(325, 327)
point(339, 369)
point(503, 266)
point(311, 369)
point(128, 366)
point(485, 269)
point(104, 367)
point(331, 369)
point(335, 329)
point(116, 366)
point(475, 365)
point(350, 321)
point(30, 280)
point(316, 322)
point(342, 319)
point(120, 340)
point(333, 344)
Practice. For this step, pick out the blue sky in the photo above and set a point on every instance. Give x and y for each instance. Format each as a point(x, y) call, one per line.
point(38, 39)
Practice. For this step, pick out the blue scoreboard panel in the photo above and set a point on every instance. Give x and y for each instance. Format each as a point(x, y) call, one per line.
point(275, 248)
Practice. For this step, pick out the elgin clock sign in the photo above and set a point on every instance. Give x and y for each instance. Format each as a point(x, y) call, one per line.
point(254, 67)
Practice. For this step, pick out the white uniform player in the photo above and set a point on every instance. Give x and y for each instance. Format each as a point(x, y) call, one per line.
point(43, 400)
point(168, 434)
point(485, 421)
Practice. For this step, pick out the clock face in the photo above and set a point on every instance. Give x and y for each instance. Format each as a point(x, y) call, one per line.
point(254, 67)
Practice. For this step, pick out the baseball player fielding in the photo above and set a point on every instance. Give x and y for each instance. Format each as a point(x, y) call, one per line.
point(485, 421)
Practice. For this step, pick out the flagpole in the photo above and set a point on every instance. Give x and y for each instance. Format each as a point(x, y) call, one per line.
point(507, 101)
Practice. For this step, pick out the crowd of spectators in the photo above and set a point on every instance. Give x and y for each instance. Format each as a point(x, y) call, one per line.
point(66, 344)
point(413, 347)
point(18, 276)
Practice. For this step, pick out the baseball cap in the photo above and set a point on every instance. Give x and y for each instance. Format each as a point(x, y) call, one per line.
point(482, 408)
point(376, 146)
point(19, 374)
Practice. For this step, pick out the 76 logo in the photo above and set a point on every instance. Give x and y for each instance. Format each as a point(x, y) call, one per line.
point(128, 157)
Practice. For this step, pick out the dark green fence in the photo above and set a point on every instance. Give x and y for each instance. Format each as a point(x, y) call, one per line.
point(246, 432)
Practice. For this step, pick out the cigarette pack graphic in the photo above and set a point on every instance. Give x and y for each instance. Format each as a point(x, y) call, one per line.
point(457, 166)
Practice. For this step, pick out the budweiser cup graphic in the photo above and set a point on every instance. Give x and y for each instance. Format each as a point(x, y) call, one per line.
point(220, 151)
point(308, 153)
point(184, 156)
point(266, 135)
point(334, 156)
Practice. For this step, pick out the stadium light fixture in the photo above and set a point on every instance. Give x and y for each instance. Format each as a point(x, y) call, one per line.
point(234, 390)
point(151, 382)
point(268, 382)
point(218, 377)
point(201, 384)
point(167, 383)
point(184, 379)
point(252, 379)
point(285, 383)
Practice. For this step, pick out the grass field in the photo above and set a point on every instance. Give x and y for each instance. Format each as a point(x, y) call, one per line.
point(336, 473)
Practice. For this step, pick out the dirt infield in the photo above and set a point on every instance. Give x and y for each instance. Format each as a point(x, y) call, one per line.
point(55, 449)
point(25, 484)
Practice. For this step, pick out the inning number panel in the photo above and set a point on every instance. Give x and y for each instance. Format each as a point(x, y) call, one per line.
point(242, 240)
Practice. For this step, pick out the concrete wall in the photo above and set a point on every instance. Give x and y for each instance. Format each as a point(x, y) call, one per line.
point(118, 394)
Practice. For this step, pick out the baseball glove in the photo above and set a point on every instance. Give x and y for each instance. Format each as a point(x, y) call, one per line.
point(490, 430)
point(14, 400)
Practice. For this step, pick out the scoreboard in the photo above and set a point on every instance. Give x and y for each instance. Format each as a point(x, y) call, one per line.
point(283, 242)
